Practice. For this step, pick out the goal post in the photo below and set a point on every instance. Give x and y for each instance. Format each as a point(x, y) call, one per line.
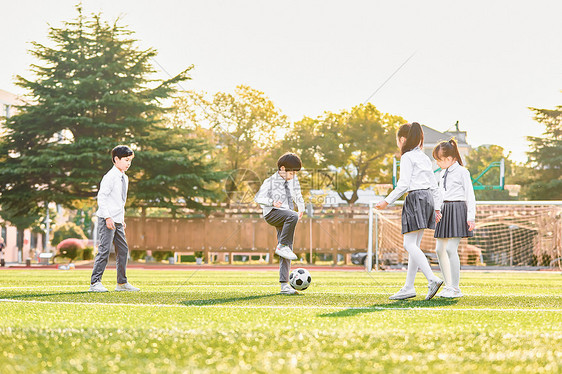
point(508, 234)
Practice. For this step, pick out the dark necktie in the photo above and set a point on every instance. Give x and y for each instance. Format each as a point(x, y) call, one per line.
point(445, 179)
point(288, 193)
point(124, 188)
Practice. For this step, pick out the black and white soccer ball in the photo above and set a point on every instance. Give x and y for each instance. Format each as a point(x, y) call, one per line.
point(300, 279)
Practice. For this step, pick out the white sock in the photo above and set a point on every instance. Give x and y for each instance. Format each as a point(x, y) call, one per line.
point(444, 263)
point(412, 265)
point(419, 259)
point(453, 252)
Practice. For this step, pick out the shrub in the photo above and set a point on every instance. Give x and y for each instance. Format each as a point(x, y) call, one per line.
point(70, 248)
point(162, 255)
point(68, 230)
point(138, 254)
point(88, 253)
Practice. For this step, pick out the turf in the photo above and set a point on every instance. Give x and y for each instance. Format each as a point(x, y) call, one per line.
point(235, 321)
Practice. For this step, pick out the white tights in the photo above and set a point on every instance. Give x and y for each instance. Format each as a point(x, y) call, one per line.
point(416, 258)
point(448, 255)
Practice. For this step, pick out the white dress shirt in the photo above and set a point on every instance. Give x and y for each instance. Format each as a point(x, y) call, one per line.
point(110, 195)
point(459, 188)
point(273, 189)
point(416, 173)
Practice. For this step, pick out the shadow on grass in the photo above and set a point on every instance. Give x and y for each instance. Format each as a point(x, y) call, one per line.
point(29, 295)
point(226, 300)
point(398, 305)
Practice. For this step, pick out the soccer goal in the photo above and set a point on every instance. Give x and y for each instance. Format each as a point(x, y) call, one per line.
point(507, 234)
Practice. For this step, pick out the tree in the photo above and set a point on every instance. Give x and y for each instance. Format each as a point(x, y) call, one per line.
point(176, 171)
point(245, 128)
point(92, 91)
point(479, 159)
point(353, 147)
point(545, 157)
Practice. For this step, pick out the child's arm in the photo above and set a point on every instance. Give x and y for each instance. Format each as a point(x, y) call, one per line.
point(437, 193)
point(263, 197)
point(470, 200)
point(406, 169)
point(103, 200)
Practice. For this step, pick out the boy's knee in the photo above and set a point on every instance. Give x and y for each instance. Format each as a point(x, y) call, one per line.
point(293, 217)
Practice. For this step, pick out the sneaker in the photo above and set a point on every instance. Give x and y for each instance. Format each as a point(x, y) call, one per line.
point(451, 293)
point(287, 290)
point(126, 287)
point(403, 294)
point(446, 293)
point(446, 290)
point(285, 252)
point(433, 287)
point(97, 287)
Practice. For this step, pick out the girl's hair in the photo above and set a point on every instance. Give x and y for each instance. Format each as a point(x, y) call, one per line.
point(413, 134)
point(446, 149)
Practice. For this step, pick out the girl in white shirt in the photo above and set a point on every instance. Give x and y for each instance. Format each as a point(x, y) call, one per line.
point(457, 218)
point(416, 178)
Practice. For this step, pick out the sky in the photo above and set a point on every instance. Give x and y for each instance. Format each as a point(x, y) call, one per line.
point(482, 63)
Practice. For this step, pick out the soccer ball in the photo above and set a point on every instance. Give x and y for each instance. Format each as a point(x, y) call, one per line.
point(300, 279)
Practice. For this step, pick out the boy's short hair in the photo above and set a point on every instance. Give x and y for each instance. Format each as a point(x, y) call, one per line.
point(290, 161)
point(121, 151)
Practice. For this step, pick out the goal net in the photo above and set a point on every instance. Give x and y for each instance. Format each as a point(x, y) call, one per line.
point(506, 235)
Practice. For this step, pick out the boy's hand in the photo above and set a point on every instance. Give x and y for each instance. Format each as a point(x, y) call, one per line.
point(300, 214)
point(471, 225)
point(124, 225)
point(381, 205)
point(438, 216)
point(277, 204)
point(109, 223)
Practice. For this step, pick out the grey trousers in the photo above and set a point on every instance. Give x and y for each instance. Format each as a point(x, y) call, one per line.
point(106, 237)
point(285, 221)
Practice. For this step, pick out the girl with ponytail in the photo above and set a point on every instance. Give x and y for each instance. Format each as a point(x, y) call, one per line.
point(458, 214)
point(420, 208)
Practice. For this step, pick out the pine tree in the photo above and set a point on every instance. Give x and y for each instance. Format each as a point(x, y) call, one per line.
point(545, 157)
point(91, 91)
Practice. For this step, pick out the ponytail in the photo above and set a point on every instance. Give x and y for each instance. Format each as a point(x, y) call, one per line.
point(447, 149)
point(414, 136)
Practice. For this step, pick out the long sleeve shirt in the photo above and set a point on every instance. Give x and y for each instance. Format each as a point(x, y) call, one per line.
point(416, 174)
point(458, 187)
point(111, 199)
point(273, 189)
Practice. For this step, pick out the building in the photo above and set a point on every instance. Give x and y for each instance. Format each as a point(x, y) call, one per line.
point(432, 137)
point(8, 107)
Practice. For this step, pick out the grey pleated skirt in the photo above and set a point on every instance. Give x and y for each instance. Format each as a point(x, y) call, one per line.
point(418, 212)
point(453, 223)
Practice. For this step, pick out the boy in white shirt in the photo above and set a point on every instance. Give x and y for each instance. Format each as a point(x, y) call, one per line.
point(112, 196)
point(276, 197)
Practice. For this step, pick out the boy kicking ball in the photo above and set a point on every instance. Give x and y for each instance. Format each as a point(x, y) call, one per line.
point(112, 196)
point(276, 197)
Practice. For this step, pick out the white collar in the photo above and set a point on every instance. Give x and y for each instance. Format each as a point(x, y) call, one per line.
point(115, 170)
point(453, 167)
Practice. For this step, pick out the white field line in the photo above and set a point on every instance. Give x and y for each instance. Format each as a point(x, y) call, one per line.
point(428, 309)
point(174, 289)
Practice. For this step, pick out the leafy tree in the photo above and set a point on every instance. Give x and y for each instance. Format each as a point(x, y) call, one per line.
point(246, 126)
point(545, 157)
point(352, 147)
point(479, 159)
point(92, 90)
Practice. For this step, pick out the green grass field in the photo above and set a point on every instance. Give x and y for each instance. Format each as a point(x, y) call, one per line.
point(234, 321)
